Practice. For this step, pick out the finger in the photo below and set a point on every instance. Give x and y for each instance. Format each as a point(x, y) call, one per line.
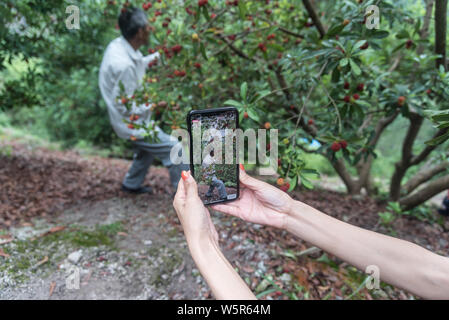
point(233, 211)
point(190, 186)
point(180, 196)
point(250, 182)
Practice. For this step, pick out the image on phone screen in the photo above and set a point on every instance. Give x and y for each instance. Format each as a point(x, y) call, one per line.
point(216, 174)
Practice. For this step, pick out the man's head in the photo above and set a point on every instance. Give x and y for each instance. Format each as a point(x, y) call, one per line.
point(134, 26)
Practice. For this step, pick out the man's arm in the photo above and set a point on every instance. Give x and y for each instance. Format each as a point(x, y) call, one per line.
point(151, 57)
point(400, 263)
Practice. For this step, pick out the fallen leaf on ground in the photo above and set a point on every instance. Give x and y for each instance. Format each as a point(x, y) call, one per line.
point(52, 288)
point(41, 262)
point(3, 253)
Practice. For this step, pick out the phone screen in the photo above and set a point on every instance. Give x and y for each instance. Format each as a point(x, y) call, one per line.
point(214, 154)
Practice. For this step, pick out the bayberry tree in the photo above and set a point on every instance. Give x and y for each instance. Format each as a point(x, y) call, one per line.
point(315, 71)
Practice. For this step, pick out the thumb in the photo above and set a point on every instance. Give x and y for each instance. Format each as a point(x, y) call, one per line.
point(250, 182)
point(189, 185)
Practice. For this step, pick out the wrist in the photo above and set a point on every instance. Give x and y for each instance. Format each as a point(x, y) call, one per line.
point(296, 218)
point(202, 246)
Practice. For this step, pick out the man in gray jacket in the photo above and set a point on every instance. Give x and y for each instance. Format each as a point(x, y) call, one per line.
point(123, 62)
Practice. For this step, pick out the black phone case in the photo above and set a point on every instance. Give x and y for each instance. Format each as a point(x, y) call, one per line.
point(189, 126)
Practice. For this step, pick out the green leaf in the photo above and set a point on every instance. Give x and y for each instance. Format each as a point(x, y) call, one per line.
point(306, 182)
point(354, 67)
point(262, 94)
point(438, 140)
point(378, 34)
point(253, 114)
point(344, 62)
point(242, 9)
point(206, 13)
point(293, 184)
point(264, 293)
point(243, 90)
point(335, 75)
point(203, 50)
point(234, 103)
point(275, 46)
point(403, 34)
point(335, 29)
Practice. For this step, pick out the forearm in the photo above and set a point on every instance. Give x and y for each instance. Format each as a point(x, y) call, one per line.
point(400, 263)
point(224, 281)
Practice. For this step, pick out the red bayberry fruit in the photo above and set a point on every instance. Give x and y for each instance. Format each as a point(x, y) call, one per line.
point(335, 146)
point(360, 87)
point(245, 115)
point(271, 36)
point(262, 47)
point(356, 96)
point(180, 73)
point(202, 2)
point(401, 100)
point(213, 15)
point(310, 122)
point(365, 46)
point(176, 48)
point(197, 65)
point(347, 99)
point(343, 144)
point(409, 44)
point(346, 85)
point(232, 37)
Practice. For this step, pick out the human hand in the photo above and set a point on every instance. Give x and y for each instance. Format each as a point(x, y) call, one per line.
point(195, 218)
point(259, 202)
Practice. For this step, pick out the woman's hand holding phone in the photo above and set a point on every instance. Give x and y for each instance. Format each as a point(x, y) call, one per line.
point(259, 202)
point(202, 239)
point(194, 217)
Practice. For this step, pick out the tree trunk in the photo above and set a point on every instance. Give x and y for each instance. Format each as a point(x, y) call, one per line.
point(440, 31)
point(404, 164)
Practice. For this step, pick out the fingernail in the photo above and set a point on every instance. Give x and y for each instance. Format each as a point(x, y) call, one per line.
point(242, 167)
point(184, 175)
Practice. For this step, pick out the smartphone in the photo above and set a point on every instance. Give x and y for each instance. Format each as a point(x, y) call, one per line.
point(213, 153)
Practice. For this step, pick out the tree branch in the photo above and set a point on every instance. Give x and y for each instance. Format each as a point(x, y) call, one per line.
point(428, 149)
point(424, 176)
point(428, 191)
point(233, 48)
point(315, 18)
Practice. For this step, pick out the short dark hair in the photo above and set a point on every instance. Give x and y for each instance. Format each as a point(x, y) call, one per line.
point(130, 21)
